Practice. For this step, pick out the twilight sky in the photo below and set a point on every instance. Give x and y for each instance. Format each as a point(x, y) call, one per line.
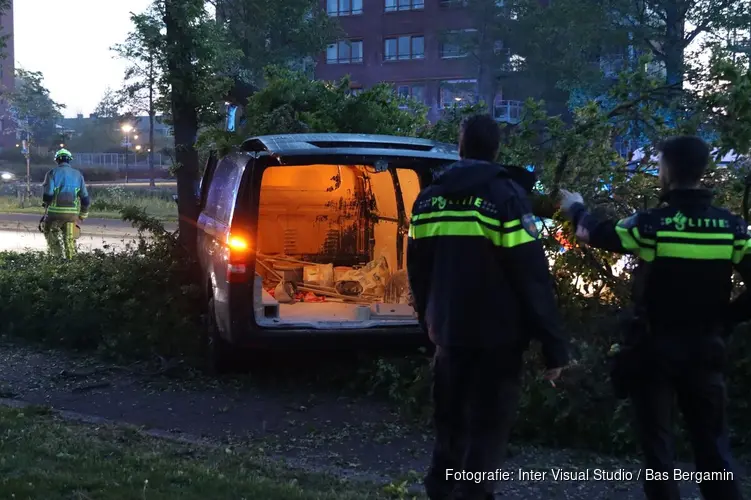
point(69, 42)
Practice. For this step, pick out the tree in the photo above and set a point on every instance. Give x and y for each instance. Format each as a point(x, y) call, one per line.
point(102, 132)
point(32, 109)
point(666, 28)
point(485, 46)
point(292, 102)
point(140, 93)
point(267, 32)
point(194, 54)
point(110, 106)
point(562, 42)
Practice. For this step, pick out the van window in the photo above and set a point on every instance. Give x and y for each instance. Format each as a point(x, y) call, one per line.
point(223, 190)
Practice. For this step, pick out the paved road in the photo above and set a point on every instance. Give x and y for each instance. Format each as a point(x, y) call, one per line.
point(134, 183)
point(19, 232)
point(22, 222)
point(140, 183)
point(33, 241)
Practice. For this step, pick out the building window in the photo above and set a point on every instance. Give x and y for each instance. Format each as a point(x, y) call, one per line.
point(344, 52)
point(403, 48)
point(464, 3)
point(344, 7)
point(454, 43)
point(457, 92)
point(395, 5)
point(416, 92)
point(507, 111)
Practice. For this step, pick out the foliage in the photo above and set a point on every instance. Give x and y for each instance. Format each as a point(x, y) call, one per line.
point(667, 28)
point(107, 202)
point(140, 92)
point(561, 41)
point(101, 132)
point(291, 33)
point(32, 109)
point(67, 303)
point(291, 102)
point(109, 107)
point(141, 49)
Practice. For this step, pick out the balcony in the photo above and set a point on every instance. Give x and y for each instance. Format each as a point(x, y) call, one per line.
point(508, 111)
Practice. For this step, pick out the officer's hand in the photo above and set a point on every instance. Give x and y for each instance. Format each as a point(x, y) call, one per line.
point(582, 234)
point(569, 199)
point(552, 375)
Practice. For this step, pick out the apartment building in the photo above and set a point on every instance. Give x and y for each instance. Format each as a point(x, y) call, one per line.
point(404, 43)
point(7, 77)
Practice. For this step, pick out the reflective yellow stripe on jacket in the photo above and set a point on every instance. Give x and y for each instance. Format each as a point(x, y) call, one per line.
point(632, 240)
point(469, 223)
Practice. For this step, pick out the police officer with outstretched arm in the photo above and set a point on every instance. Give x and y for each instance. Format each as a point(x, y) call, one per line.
point(688, 250)
point(481, 284)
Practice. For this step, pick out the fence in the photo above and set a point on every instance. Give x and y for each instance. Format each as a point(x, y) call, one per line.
point(117, 161)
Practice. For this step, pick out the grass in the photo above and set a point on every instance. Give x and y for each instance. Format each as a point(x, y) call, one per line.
point(157, 202)
point(44, 456)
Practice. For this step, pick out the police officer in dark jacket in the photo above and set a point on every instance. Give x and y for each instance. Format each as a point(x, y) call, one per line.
point(480, 282)
point(688, 250)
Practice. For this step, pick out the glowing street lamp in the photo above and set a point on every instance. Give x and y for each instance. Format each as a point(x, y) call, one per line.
point(127, 128)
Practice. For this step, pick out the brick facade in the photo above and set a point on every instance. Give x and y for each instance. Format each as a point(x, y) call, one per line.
point(421, 67)
point(7, 75)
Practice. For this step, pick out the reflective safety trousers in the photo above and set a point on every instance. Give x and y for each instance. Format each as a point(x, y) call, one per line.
point(61, 233)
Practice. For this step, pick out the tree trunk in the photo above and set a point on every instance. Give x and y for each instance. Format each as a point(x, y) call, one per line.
point(674, 44)
point(152, 113)
point(185, 120)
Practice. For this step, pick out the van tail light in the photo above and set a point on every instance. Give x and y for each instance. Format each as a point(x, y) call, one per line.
point(238, 250)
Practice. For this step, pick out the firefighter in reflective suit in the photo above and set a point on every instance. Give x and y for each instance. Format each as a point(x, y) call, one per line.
point(480, 284)
point(67, 202)
point(688, 250)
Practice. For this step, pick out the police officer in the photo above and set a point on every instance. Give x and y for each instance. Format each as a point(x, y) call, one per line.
point(480, 283)
point(687, 251)
point(67, 201)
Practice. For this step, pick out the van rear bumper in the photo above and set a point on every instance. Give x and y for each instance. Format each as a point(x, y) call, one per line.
point(288, 338)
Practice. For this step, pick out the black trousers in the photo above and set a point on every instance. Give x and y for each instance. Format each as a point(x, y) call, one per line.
point(690, 372)
point(475, 396)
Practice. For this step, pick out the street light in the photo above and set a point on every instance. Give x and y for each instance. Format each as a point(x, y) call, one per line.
point(127, 129)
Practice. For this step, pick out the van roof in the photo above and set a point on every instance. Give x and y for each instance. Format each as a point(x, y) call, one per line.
point(296, 144)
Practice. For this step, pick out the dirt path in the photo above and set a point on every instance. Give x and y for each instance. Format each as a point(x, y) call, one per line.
point(311, 427)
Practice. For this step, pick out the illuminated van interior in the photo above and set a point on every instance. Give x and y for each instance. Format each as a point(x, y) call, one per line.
point(330, 249)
